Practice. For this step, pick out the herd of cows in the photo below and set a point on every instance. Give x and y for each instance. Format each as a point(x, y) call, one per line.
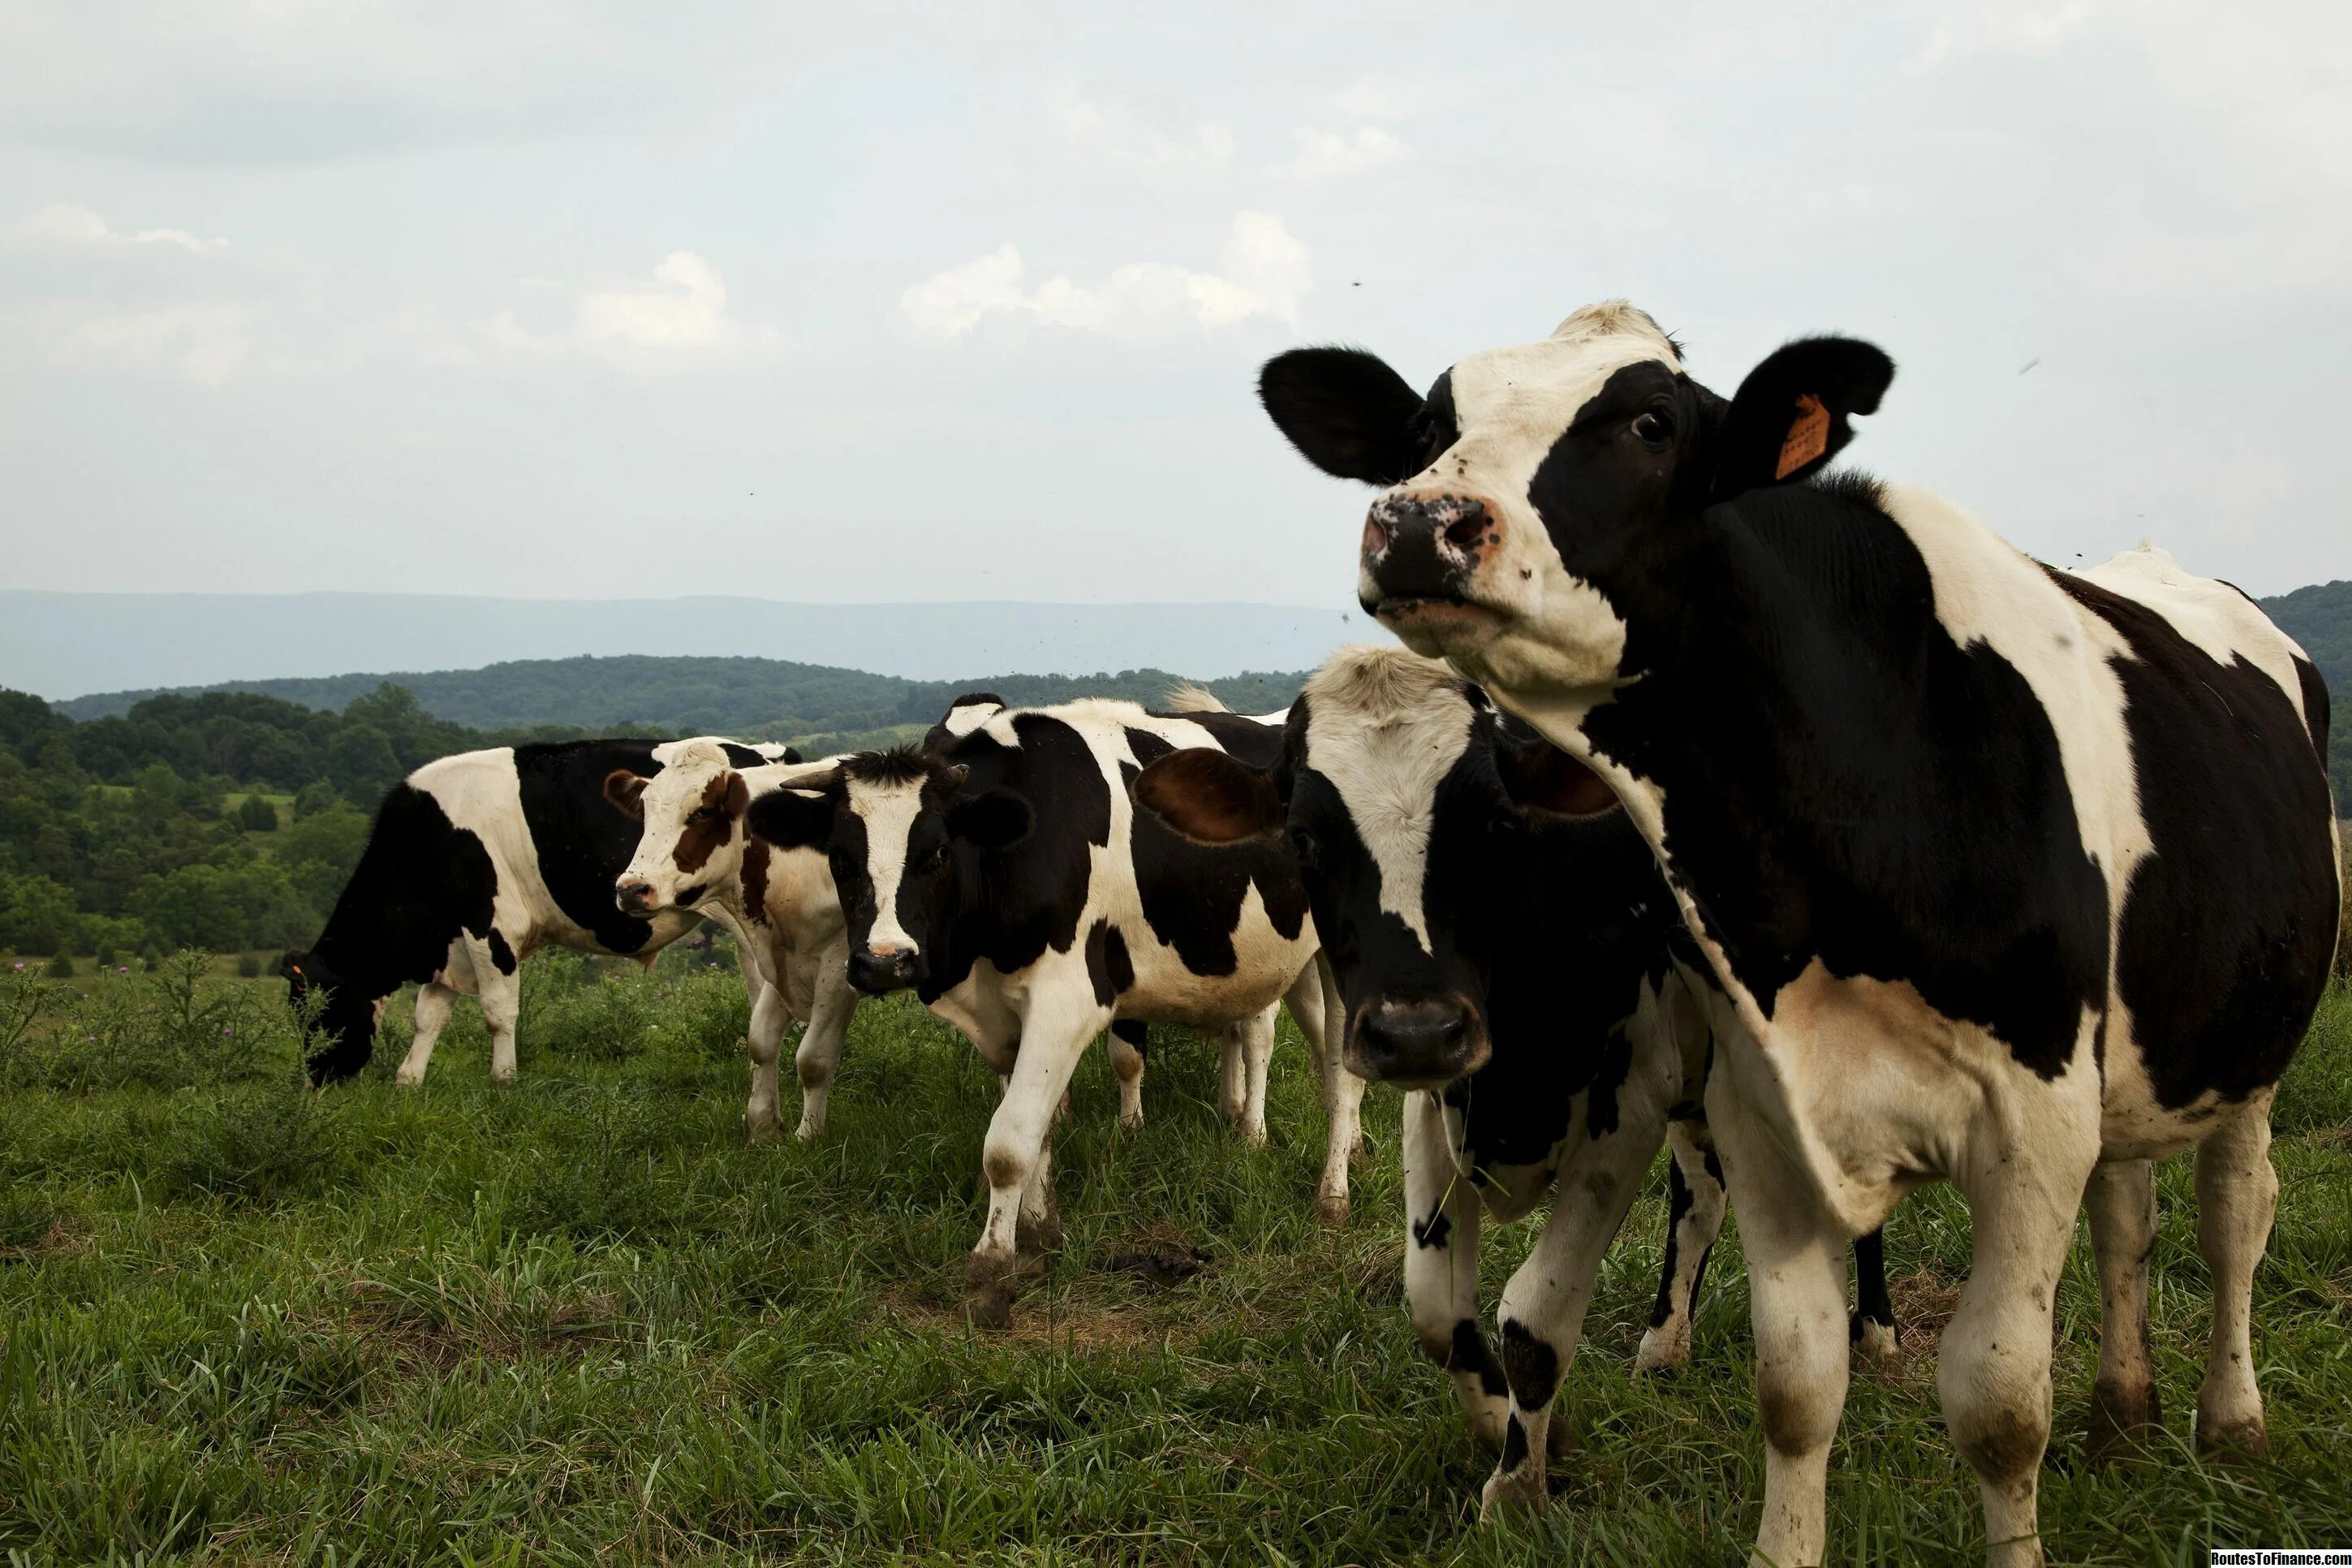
point(1791, 819)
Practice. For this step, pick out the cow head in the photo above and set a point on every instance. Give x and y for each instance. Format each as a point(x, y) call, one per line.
point(343, 1027)
point(1398, 788)
point(692, 841)
point(900, 829)
point(1529, 482)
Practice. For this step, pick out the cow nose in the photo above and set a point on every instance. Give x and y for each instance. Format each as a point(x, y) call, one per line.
point(875, 971)
point(1426, 546)
point(634, 898)
point(1417, 1039)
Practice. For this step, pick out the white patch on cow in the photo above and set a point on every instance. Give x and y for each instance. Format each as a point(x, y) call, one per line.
point(888, 811)
point(962, 720)
point(2213, 617)
point(1385, 727)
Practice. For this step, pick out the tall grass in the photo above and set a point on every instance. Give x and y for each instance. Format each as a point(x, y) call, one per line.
point(580, 1319)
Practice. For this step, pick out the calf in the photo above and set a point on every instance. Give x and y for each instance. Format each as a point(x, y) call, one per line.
point(781, 905)
point(474, 861)
point(1506, 951)
point(1004, 878)
point(2010, 877)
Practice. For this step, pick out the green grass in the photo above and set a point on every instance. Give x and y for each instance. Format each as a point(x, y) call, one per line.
point(579, 1319)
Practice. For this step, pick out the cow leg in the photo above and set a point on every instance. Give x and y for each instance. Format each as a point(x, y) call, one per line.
point(500, 996)
point(1694, 1218)
point(1232, 1074)
point(1061, 1023)
point(433, 1004)
point(1256, 1033)
point(1871, 1328)
point(2237, 1197)
point(1343, 1102)
point(1441, 1268)
point(764, 1041)
point(1129, 1036)
point(1543, 1305)
point(1796, 1282)
point(819, 1056)
point(1992, 1361)
point(2121, 1200)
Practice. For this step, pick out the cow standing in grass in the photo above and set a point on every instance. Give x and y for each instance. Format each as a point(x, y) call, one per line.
point(473, 863)
point(2010, 876)
point(695, 857)
point(1005, 877)
point(1506, 952)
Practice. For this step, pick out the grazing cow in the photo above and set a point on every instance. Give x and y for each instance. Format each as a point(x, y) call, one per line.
point(1504, 948)
point(475, 861)
point(2010, 877)
point(780, 904)
point(1004, 878)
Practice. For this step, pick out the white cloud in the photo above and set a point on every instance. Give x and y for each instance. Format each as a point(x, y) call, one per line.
point(2001, 29)
point(67, 226)
point(204, 343)
point(1330, 154)
point(1265, 271)
point(678, 321)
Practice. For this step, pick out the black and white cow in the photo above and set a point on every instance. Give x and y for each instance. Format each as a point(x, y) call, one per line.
point(474, 861)
point(2006, 876)
point(1504, 947)
point(780, 904)
point(1004, 878)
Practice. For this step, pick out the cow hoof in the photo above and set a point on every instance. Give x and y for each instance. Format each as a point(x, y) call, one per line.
point(990, 1285)
point(1519, 1493)
point(2246, 1438)
point(1662, 1353)
point(1873, 1342)
point(408, 1079)
point(991, 1310)
point(2124, 1421)
point(1331, 1209)
point(1131, 1121)
point(808, 1131)
point(1254, 1136)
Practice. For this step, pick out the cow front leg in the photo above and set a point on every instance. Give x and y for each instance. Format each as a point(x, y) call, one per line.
point(764, 1042)
point(1796, 1282)
point(1543, 1305)
point(2237, 1198)
point(1343, 1101)
point(1693, 1219)
point(1053, 1038)
point(1256, 1035)
point(433, 1004)
point(1128, 1039)
point(818, 1056)
point(1441, 1268)
point(2125, 1410)
point(499, 992)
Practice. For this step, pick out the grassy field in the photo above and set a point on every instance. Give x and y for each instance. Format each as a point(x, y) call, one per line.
point(579, 1319)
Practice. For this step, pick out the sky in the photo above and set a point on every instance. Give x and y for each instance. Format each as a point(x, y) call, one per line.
point(515, 296)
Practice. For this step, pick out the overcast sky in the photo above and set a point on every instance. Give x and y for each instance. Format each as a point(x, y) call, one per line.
point(967, 302)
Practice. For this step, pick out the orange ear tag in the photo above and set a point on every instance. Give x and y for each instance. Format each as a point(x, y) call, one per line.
point(1809, 437)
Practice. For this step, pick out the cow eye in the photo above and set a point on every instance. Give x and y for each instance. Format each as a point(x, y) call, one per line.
point(933, 858)
point(1654, 427)
point(1302, 844)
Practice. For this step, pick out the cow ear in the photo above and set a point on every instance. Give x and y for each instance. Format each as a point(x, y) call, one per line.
point(790, 818)
point(1209, 796)
point(738, 794)
point(992, 819)
point(291, 965)
point(1345, 410)
point(1790, 415)
point(1541, 777)
point(627, 791)
point(792, 754)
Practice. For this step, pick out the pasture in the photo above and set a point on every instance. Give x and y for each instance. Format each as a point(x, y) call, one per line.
point(579, 1319)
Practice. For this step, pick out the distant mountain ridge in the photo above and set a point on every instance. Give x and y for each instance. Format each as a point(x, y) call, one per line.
point(68, 645)
point(754, 698)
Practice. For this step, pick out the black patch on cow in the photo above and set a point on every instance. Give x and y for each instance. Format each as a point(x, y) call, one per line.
point(1515, 1443)
point(420, 883)
point(1108, 964)
point(1134, 1032)
point(1783, 646)
point(501, 954)
point(792, 754)
point(1872, 1303)
point(1532, 1366)
point(1678, 1207)
point(1610, 1070)
point(580, 842)
point(1430, 1234)
point(1147, 747)
point(741, 756)
point(1468, 1354)
point(2230, 922)
point(2315, 712)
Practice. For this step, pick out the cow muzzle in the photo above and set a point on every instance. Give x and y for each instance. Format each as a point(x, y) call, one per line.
point(1417, 1041)
point(635, 898)
point(1427, 548)
point(877, 971)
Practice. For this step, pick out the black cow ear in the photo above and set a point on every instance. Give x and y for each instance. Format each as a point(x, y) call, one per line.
point(790, 818)
point(627, 791)
point(1790, 415)
point(293, 965)
point(1209, 796)
point(1345, 410)
point(992, 819)
point(1541, 777)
